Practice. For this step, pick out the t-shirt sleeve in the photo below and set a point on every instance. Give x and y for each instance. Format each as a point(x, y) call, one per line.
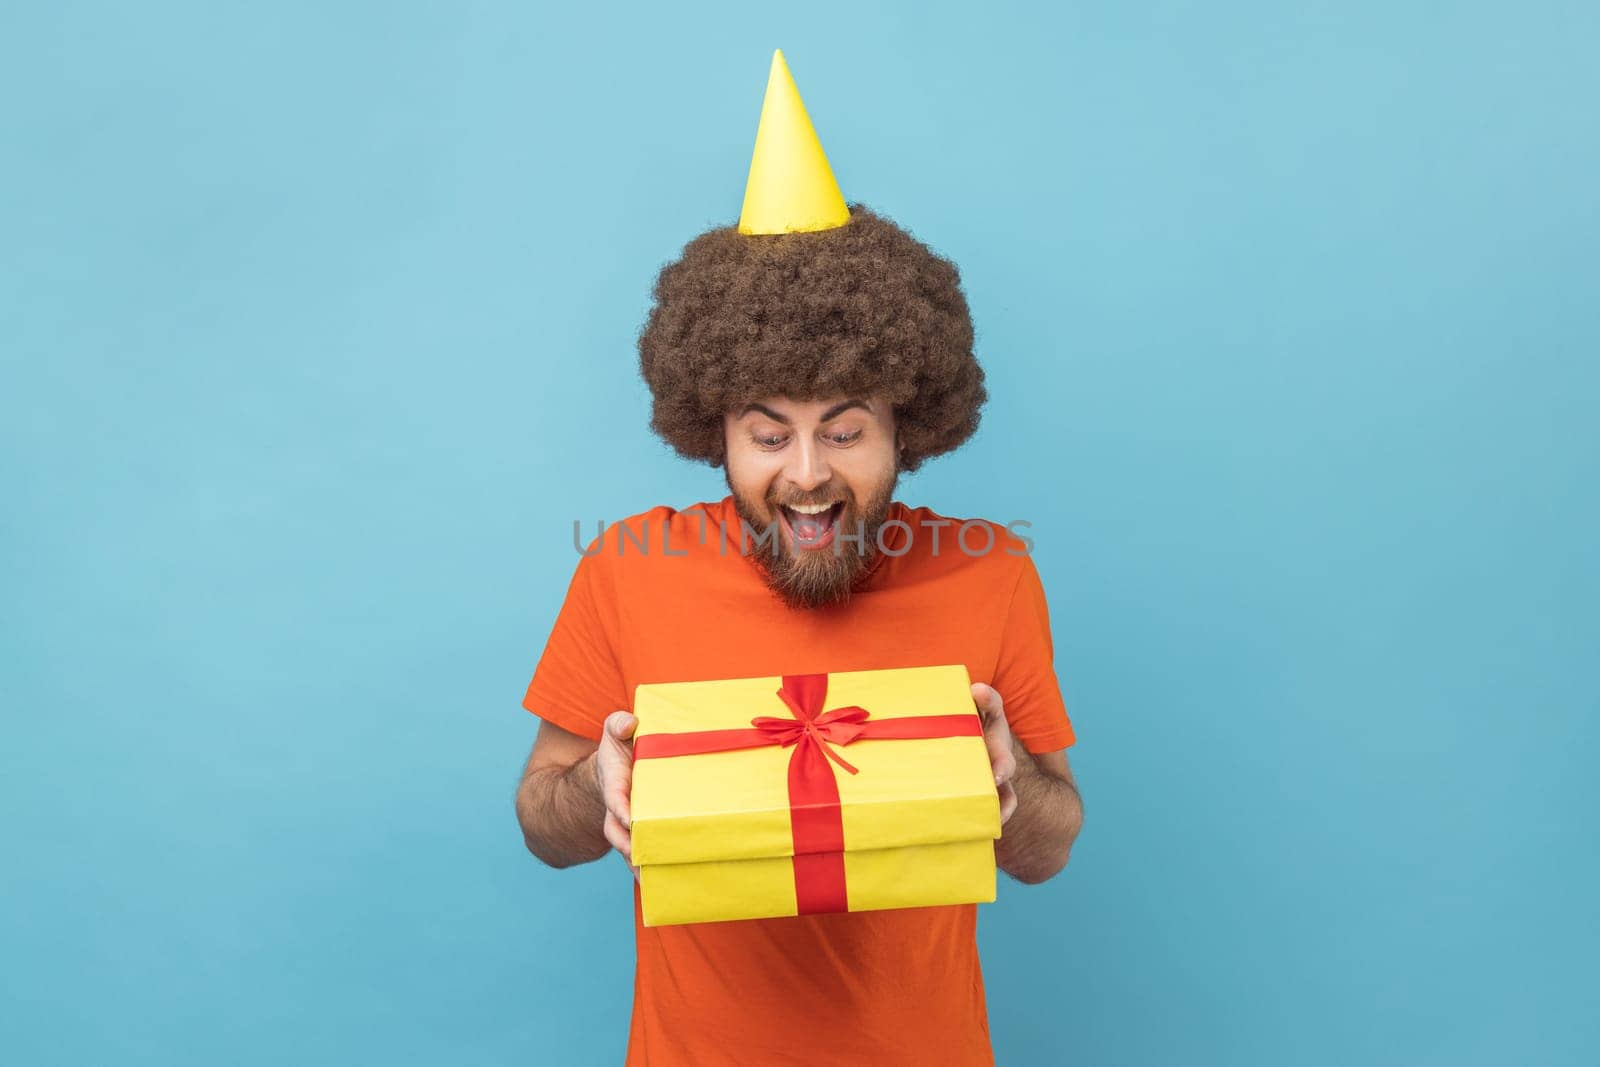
point(578, 682)
point(1025, 674)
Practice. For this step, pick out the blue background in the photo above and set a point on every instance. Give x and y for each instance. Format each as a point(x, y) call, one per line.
point(317, 324)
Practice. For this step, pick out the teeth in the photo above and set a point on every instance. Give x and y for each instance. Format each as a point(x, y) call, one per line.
point(810, 509)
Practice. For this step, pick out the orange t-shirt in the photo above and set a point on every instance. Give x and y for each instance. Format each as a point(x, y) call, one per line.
point(878, 987)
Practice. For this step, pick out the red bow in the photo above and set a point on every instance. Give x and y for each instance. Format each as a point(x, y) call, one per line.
point(805, 695)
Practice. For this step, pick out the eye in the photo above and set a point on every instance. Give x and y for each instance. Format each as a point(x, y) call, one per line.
point(844, 438)
point(768, 440)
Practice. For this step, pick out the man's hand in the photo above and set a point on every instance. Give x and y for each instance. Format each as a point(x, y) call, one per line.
point(613, 771)
point(997, 735)
point(1037, 789)
point(573, 801)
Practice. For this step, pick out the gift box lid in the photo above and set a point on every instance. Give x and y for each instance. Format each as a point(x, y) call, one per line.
point(745, 802)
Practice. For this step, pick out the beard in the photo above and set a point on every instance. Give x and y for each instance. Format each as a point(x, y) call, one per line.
point(815, 578)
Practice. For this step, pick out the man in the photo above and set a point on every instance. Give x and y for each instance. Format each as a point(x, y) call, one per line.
point(814, 354)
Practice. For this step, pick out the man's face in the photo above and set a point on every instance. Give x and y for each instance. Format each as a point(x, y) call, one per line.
point(817, 469)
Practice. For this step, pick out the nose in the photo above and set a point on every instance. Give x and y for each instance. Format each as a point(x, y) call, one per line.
point(808, 467)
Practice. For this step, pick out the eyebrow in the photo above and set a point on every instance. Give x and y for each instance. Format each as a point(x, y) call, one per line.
point(832, 413)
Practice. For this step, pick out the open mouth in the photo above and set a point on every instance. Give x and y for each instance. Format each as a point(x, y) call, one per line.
point(812, 526)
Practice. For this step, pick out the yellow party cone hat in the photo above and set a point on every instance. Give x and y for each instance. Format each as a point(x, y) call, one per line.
point(791, 188)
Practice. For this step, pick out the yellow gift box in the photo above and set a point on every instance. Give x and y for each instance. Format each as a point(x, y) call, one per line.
point(806, 794)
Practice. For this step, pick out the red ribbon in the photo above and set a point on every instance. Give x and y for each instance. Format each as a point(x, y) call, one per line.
point(815, 818)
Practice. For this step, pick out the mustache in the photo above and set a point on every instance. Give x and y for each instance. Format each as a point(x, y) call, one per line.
point(842, 497)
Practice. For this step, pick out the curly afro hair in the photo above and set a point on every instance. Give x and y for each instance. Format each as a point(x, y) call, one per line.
point(858, 309)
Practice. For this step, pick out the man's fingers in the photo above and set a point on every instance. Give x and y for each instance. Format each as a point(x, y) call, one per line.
point(996, 731)
point(616, 766)
point(1008, 801)
point(617, 805)
point(990, 706)
point(619, 837)
point(616, 788)
point(1003, 761)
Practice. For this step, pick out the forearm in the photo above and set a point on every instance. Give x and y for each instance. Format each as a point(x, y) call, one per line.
point(1037, 839)
point(562, 815)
